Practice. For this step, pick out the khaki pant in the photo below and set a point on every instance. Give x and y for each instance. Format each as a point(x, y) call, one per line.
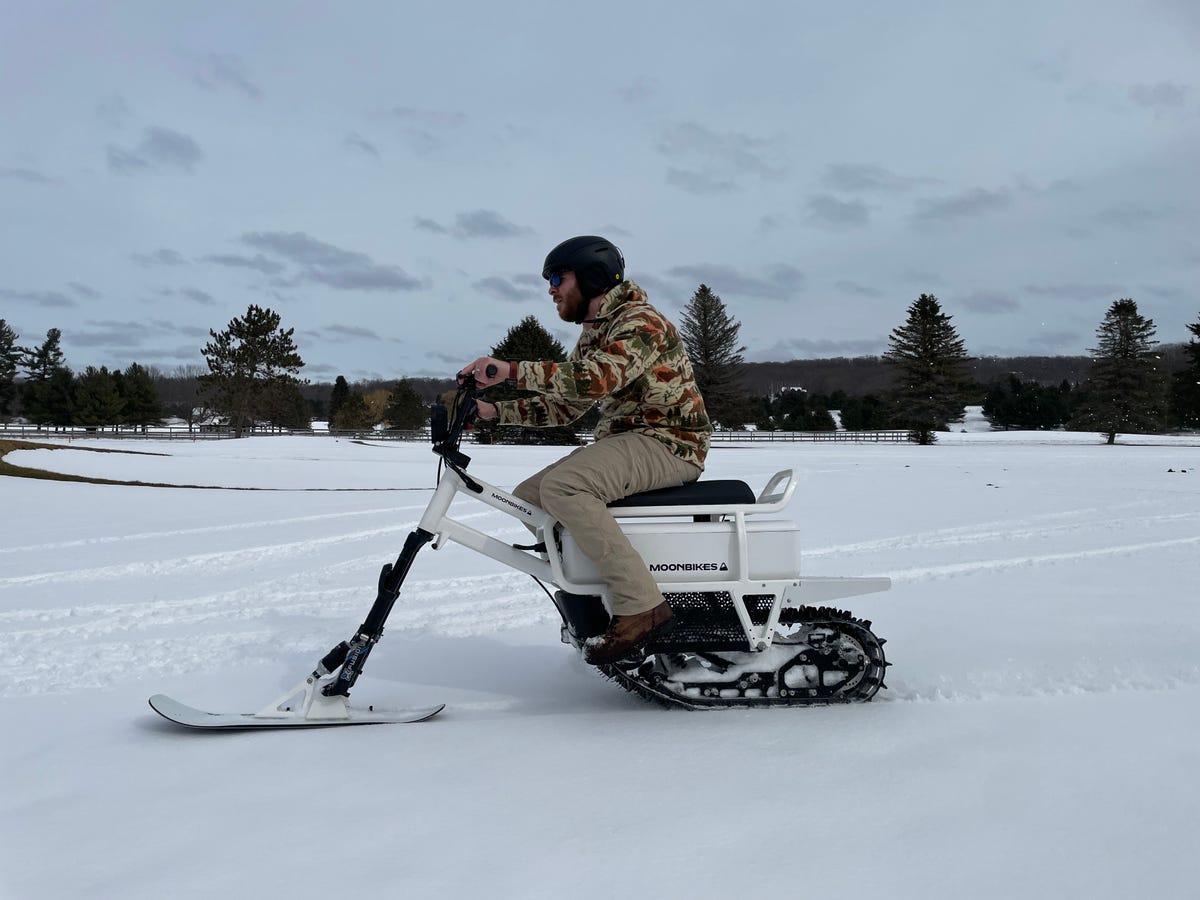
point(575, 490)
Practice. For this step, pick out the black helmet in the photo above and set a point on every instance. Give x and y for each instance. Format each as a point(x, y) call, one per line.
point(597, 264)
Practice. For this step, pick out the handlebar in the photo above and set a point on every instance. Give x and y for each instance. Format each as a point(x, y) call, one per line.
point(445, 429)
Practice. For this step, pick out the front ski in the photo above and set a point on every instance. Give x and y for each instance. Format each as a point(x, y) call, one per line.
point(189, 716)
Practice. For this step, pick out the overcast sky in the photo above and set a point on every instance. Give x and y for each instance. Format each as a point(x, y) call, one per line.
point(390, 176)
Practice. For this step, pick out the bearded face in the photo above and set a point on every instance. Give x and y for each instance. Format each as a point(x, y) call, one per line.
point(569, 300)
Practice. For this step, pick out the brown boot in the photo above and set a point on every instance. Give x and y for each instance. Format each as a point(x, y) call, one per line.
point(625, 633)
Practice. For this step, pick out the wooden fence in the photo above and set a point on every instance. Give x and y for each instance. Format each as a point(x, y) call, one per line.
point(207, 433)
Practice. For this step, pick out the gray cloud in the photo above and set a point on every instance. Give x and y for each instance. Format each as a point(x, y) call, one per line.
point(337, 334)
point(865, 177)
point(858, 290)
point(1159, 97)
point(825, 209)
point(114, 112)
point(989, 302)
point(357, 142)
point(258, 262)
point(198, 296)
point(920, 276)
point(967, 204)
point(430, 225)
point(1133, 215)
point(159, 149)
point(781, 281)
point(721, 158)
point(530, 279)
point(1054, 341)
point(329, 265)
point(614, 232)
point(168, 326)
point(123, 335)
point(29, 176)
point(426, 131)
point(160, 257)
point(1101, 293)
point(221, 70)
point(502, 288)
point(639, 90)
point(1166, 292)
point(771, 223)
point(84, 290)
point(487, 223)
point(39, 298)
point(699, 182)
point(804, 348)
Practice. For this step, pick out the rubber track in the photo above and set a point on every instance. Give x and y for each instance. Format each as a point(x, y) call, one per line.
point(840, 620)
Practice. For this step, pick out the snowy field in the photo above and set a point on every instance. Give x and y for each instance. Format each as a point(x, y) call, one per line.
point(1040, 737)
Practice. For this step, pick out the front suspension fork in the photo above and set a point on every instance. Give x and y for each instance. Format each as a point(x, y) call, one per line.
point(352, 655)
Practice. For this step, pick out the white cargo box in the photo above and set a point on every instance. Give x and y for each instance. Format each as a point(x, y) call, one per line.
point(700, 551)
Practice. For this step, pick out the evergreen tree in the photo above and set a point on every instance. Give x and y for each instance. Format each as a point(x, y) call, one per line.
point(929, 363)
point(250, 366)
point(10, 358)
point(142, 406)
point(47, 397)
point(377, 403)
point(339, 395)
point(865, 413)
point(1185, 387)
point(711, 338)
point(353, 415)
point(98, 401)
point(797, 411)
point(1026, 405)
point(289, 408)
point(405, 408)
point(1126, 389)
point(527, 340)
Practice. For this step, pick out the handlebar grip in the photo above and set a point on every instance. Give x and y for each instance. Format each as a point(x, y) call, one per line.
point(490, 371)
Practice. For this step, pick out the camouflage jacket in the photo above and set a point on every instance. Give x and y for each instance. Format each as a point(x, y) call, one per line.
point(633, 362)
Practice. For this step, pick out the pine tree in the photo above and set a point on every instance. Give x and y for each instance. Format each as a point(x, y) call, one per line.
point(931, 379)
point(353, 415)
point(796, 411)
point(338, 396)
point(98, 401)
point(10, 358)
point(865, 413)
point(711, 338)
point(1026, 405)
point(47, 397)
point(405, 408)
point(289, 409)
point(142, 406)
point(527, 340)
point(1125, 389)
point(250, 365)
point(1185, 387)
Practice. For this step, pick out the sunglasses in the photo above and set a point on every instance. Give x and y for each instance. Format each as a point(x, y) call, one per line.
point(556, 278)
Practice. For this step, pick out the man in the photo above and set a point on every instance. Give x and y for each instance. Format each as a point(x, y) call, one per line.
point(653, 430)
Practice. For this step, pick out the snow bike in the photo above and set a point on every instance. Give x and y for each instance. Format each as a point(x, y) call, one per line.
point(748, 629)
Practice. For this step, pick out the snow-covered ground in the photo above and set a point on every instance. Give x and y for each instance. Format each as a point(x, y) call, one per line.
point(1040, 737)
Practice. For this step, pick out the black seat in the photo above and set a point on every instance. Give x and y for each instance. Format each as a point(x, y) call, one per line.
point(695, 493)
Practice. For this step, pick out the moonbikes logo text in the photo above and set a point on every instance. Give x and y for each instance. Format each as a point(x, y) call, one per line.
point(689, 567)
point(517, 506)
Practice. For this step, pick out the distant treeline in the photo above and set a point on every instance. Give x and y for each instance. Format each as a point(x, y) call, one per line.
point(852, 376)
point(861, 375)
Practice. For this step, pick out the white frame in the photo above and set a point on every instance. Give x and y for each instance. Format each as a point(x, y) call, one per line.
point(548, 566)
